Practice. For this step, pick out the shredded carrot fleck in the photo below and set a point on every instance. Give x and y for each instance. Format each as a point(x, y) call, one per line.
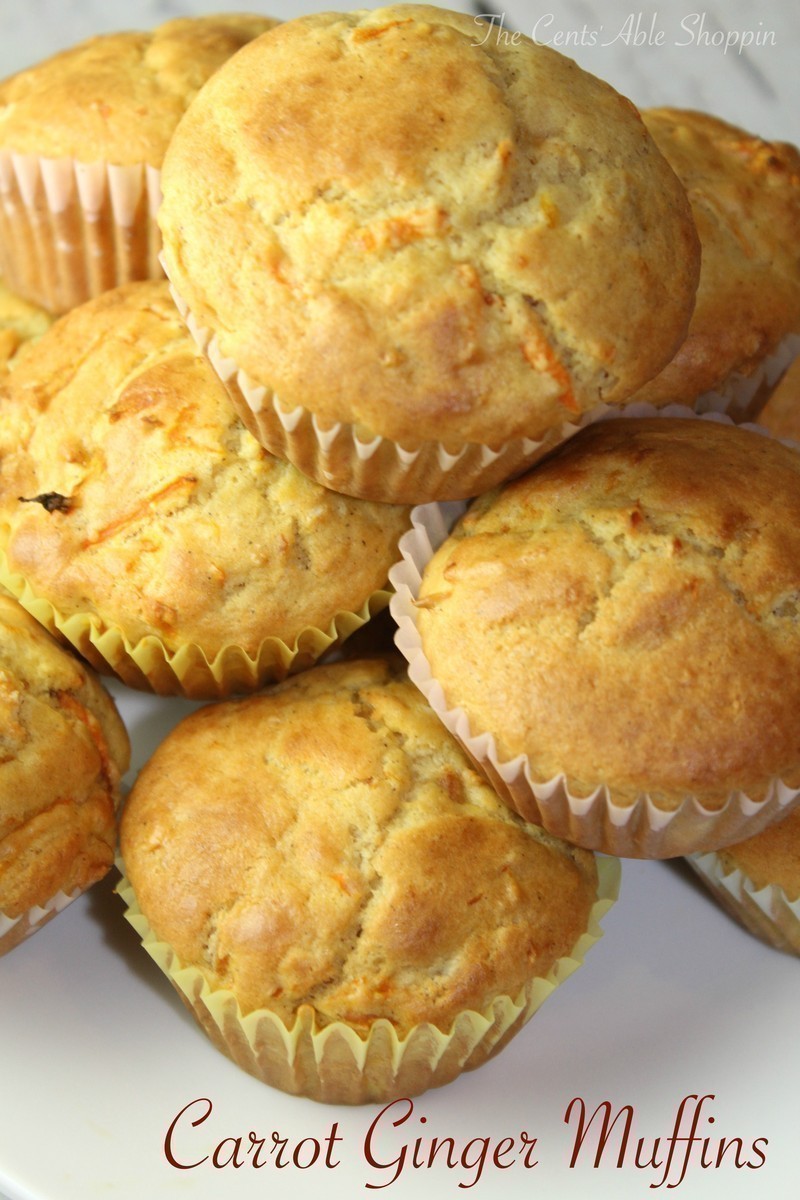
point(542, 358)
point(367, 35)
point(184, 483)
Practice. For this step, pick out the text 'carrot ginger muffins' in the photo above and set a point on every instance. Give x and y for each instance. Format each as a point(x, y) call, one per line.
point(417, 251)
point(82, 140)
point(745, 198)
point(140, 519)
point(345, 905)
point(615, 635)
point(63, 750)
point(757, 881)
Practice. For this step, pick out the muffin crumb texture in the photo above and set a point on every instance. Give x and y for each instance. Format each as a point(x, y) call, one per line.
point(627, 613)
point(342, 853)
point(409, 268)
point(745, 198)
point(158, 512)
point(63, 750)
point(118, 97)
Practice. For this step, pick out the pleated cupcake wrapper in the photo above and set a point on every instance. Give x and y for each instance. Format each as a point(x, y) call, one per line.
point(149, 665)
point(70, 230)
point(336, 1065)
point(766, 912)
point(378, 469)
point(14, 930)
point(640, 829)
point(743, 396)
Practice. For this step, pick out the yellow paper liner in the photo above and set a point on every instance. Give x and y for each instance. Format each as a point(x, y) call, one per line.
point(640, 829)
point(149, 665)
point(70, 230)
point(766, 912)
point(14, 930)
point(335, 1064)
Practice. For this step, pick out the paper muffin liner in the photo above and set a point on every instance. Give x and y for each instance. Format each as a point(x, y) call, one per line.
point(640, 829)
point(335, 1064)
point(14, 930)
point(742, 397)
point(766, 912)
point(149, 665)
point(70, 230)
point(378, 469)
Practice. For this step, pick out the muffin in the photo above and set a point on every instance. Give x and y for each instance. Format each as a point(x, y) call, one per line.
point(781, 413)
point(141, 520)
point(614, 635)
point(82, 139)
point(345, 905)
point(375, 223)
point(745, 198)
point(64, 749)
point(20, 322)
point(758, 882)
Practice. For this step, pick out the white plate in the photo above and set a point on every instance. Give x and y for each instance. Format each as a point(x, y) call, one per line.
point(99, 1057)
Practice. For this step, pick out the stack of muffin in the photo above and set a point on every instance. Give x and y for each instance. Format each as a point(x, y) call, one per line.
point(411, 262)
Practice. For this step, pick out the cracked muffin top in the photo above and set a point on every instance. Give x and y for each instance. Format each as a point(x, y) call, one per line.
point(327, 843)
point(63, 749)
point(745, 197)
point(401, 220)
point(118, 97)
point(129, 491)
point(627, 613)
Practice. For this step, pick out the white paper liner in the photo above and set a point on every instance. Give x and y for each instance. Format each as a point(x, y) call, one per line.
point(743, 396)
point(71, 230)
point(766, 912)
point(335, 1064)
point(377, 469)
point(14, 930)
point(638, 830)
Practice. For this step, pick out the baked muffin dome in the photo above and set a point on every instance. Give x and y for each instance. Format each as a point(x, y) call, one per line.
point(359, 862)
point(326, 857)
point(625, 614)
point(117, 97)
point(130, 493)
point(82, 139)
point(63, 751)
point(745, 198)
point(382, 217)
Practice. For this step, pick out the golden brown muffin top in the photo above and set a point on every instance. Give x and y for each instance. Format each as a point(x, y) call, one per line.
point(771, 857)
point(745, 198)
point(63, 749)
point(781, 414)
point(383, 217)
point(157, 510)
point(627, 612)
point(117, 97)
point(327, 843)
point(19, 323)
